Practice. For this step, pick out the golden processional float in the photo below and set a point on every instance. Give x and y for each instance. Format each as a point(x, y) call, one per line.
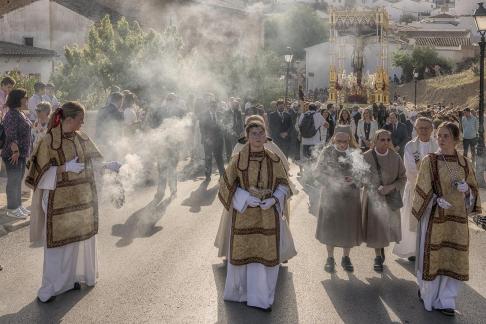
point(366, 27)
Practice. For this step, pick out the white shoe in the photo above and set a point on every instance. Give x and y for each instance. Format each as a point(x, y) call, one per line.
point(25, 211)
point(16, 213)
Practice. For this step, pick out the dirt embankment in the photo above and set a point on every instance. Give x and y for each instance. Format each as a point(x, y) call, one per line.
point(461, 89)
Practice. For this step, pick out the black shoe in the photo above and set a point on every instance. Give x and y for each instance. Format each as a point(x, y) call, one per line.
point(411, 259)
point(47, 301)
point(1, 268)
point(266, 310)
point(383, 255)
point(330, 265)
point(77, 286)
point(378, 266)
point(447, 311)
point(346, 264)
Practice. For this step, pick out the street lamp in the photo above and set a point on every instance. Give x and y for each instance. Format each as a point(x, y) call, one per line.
point(288, 59)
point(480, 19)
point(415, 77)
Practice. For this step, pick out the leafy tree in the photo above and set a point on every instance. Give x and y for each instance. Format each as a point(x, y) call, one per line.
point(23, 81)
point(113, 55)
point(299, 27)
point(420, 59)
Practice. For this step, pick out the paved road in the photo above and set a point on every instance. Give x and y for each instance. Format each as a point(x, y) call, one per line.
point(158, 265)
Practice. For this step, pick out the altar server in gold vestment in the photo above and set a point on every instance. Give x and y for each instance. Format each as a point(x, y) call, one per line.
point(254, 188)
point(445, 193)
point(65, 203)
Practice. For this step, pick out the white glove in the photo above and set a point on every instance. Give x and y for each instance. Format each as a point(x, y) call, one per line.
point(444, 204)
point(112, 166)
point(268, 203)
point(463, 186)
point(253, 201)
point(74, 166)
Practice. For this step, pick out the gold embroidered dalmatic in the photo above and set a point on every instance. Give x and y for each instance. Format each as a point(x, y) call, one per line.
point(72, 212)
point(254, 233)
point(446, 247)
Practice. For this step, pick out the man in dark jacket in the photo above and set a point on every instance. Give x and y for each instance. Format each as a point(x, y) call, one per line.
point(399, 133)
point(109, 119)
point(212, 137)
point(280, 124)
point(294, 148)
point(233, 123)
point(382, 116)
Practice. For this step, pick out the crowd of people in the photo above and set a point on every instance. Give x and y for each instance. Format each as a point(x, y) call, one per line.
point(384, 175)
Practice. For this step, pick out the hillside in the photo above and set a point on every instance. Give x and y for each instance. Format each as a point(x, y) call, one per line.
point(461, 89)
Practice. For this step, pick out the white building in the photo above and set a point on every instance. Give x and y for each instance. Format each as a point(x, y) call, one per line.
point(30, 29)
point(449, 36)
point(318, 60)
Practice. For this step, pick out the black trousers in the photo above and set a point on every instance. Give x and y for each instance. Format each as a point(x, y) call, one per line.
point(15, 174)
point(229, 143)
point(213, 148)
point(469, 143)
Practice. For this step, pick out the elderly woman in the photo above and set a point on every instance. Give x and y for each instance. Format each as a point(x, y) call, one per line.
point(382, 198)
point(367, 127)
point(339, 222)
point(16, 150)
point(445, 194)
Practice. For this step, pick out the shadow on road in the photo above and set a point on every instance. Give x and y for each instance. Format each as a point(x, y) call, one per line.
point(53, 312)
point(469, 302)
point(141, 223)
point(284, 309)
point(202, 196)
point(373, 301)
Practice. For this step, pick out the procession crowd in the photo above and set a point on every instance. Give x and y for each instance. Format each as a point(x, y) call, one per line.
point(384, 175)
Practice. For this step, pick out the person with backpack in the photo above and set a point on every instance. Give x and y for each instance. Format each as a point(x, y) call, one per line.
point(310, 127)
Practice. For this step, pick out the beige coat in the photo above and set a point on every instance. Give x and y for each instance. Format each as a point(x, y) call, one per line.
point(381, 224)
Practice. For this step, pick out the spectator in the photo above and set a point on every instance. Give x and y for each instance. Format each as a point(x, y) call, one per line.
point(16, 151)
point(6, 86)
point(109, 117)
point(37, 98)
point(50, 96)
point(130, 113)
point(367, 128)
point(470, 126)
point(39, 128)
point(280, 127)
point(398, 132)
point(310, 132)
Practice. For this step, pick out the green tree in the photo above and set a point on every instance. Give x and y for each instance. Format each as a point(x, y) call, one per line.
point(23, 81)
point(113, 55)
point(420, 59)
point(299, 27)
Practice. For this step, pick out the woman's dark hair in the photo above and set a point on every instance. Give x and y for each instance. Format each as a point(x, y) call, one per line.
point(128, 100)
point(453, 129)
point(69, 110)
point(7, 81)
point(14, 99)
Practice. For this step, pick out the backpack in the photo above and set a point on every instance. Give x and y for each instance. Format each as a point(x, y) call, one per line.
point(307, 126)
